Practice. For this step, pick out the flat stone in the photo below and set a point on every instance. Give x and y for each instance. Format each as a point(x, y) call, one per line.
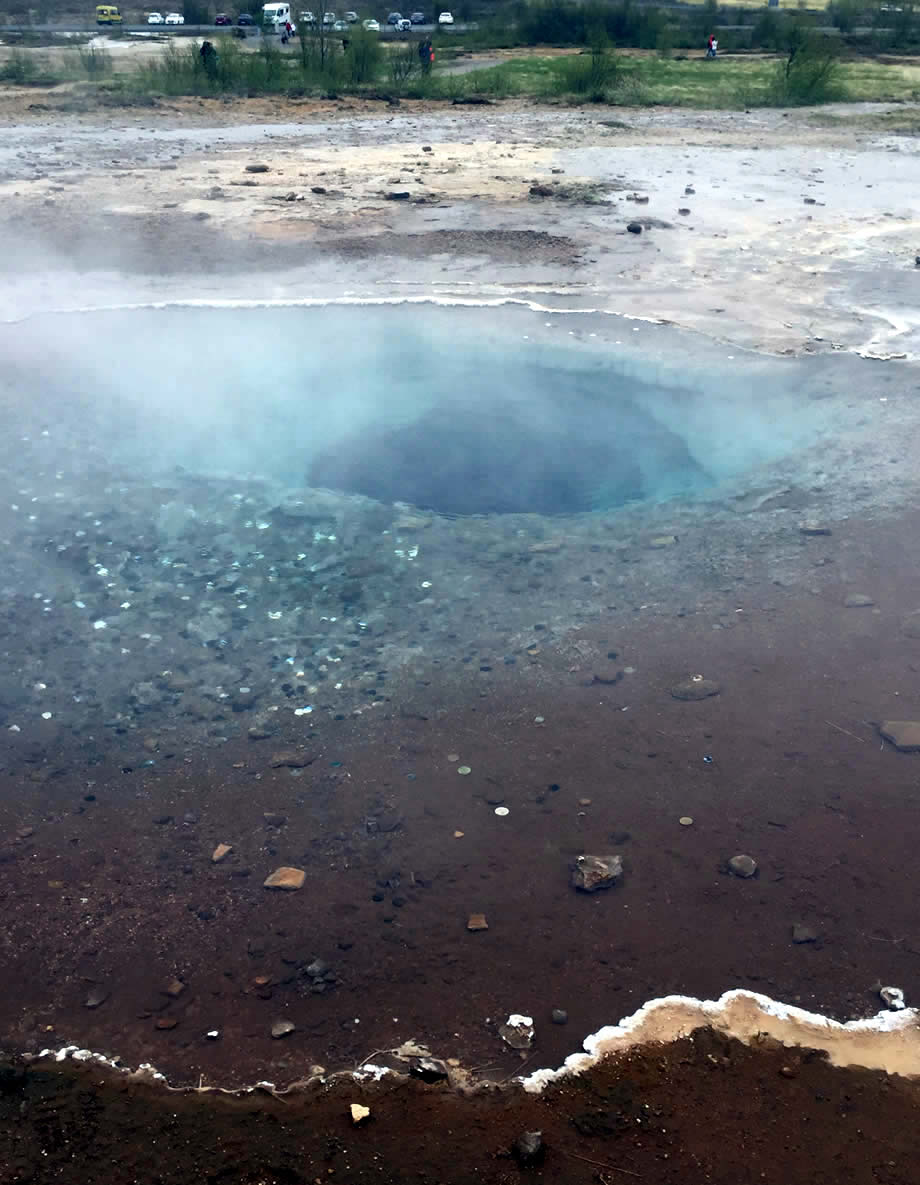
point(174, 988)
point(743, 866)
point(695, 689)
point(559, 1016)
point(429, 1069)
point(359, 1113)
point(546, 547)
point(282, 1028)
point(274, 820)
point(903, 734)
point(166, 1022)
point(634, 228)
point(477, 921)
point(285, 878)
point(290, 758)
point(591, 873)
point(814, 529)
point(857, 601)
point(662, 541)
point(221, 852)
point(96, 997)
point(257, 168)
point(802, 934)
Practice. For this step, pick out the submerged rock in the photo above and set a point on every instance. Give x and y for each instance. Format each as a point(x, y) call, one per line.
point(903, 734)
point(696, 688)
point(591, 873)
point(743, 866)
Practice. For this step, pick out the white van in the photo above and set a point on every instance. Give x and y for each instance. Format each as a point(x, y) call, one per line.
point(276, 16)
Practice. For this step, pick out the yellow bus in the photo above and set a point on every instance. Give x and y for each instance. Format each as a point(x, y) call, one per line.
point(107, 14)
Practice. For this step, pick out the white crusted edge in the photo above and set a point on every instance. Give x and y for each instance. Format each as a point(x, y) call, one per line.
point(888, 1041)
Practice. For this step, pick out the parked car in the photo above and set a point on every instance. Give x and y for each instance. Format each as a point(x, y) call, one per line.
point(351, 17)
point(223, 19)
point(154, 18)
point(245, 19)
point(394, 18)
point(329, 18)
point(174, 18)
point(372, 26)
point(340, 27)
point(446, 18)
point(417, 18)
point(404, 25)
point(308, 18)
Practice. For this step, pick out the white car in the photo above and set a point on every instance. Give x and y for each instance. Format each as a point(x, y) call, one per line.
point(371, 26)
point(174, 18)
point(155, 18)
point(446, 18)
point(403, 25)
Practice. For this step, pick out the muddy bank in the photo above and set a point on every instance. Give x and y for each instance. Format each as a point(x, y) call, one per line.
point(704, 1109)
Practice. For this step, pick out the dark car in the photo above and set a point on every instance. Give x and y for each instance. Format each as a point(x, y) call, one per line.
point(222, 19)
point(394, 18)
point(417, 18)
point(245, 19)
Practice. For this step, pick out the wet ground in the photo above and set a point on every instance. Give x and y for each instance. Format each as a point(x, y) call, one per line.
point(432, 718)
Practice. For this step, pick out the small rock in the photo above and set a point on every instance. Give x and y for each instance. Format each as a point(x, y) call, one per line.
point(903, 734)
point(290, 759)
point(857, 601)
point(559, 1016)
point(401, 195)
point(517, 1031)
point(661, 541)
point(634, 228)
point(97, 997)
point(529, 1149)
point(285, 878)
point(429, 1069)
point(814, 529)
point(743, 866)
point(689, 191)
point(163, 820)
point(607, 675)
point(683, 210)
point(359, 1113)
point(165, 1023)
point(546, 547)
point(221, 852)
point(257, 168)
point(911, 624)
point(802, 934)
point(591, 873)
point(282, 1028)
point(412, 522)
point(174, 988)
point(810, 201)
point(426, 148)
point(274, 820)
point(317, 189)
point(477, 921)
point(893, 997)
point(541, 191)
point(695, 688)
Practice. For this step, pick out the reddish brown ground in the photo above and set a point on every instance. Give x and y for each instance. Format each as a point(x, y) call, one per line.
point(99, 895)
point(703, 1110)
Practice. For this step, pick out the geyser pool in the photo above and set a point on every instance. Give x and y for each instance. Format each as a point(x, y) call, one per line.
point(460, 411)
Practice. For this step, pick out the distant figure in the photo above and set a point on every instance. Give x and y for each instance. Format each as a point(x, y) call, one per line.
point(208, 56)
point(712, 47)
point(425, 55)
